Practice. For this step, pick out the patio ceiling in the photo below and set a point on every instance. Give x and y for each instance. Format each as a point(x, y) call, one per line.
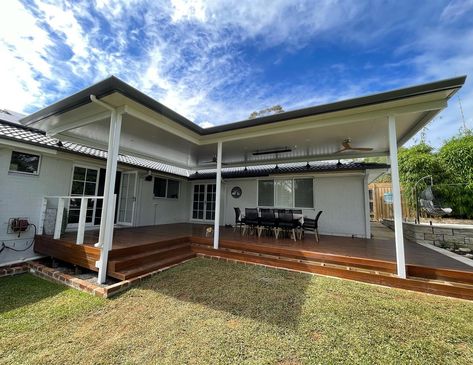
point(152, 131)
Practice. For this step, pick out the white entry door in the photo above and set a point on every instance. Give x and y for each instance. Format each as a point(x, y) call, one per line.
point(127, 198)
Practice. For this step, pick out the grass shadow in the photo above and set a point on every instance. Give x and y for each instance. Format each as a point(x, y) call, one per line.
point(263, 294)
point(24, 289)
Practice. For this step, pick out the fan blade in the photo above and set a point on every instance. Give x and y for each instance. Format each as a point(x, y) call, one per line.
point(362, 149)
point(343, 149)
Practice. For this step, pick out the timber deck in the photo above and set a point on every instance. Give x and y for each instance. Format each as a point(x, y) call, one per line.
point(141, 250)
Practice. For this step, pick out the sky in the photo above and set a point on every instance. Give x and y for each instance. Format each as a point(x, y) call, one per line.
point(216, 61)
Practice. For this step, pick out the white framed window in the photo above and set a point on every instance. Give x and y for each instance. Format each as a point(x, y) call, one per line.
point(24, 163)
point(84, 183)
point(286, 193)
point(166, 188)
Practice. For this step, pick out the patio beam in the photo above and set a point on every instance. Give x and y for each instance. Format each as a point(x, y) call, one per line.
point(218, 195)
point(396, 190)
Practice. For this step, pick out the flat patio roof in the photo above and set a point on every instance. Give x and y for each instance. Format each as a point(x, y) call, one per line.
point(153, 131)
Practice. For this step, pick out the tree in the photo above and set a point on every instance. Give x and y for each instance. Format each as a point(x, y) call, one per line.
point(457, 157)
point(416, 162)
point(275, 109)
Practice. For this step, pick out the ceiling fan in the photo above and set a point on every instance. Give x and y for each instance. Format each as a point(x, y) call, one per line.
point(213, 161)
point(347, 147)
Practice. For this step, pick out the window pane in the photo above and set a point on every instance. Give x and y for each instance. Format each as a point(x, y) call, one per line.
point(91, 175)
point(77, 188)
point(159, 187)
point(89, 189)
point(304, 194)
point(79, 173)
point(266, 193)
point(173, 189)
point(283, 189)
point(24, 162)
point(73, 216)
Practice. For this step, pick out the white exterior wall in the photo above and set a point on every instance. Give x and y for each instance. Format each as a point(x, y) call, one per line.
point(342, 199)
point(151, 210)
point(21, 196)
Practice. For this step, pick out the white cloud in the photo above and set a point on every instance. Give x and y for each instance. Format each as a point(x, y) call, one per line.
point(23, 50)
point(188, 54)
point(456, 9)
point(206, 125)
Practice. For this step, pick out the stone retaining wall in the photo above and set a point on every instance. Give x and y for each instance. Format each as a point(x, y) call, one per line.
point(455, 239)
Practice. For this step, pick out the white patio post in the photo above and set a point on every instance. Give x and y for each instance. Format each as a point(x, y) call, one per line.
point(107, 221)
point(367, 206)
point(105, 202)
point(218, 195)
point(396, 190)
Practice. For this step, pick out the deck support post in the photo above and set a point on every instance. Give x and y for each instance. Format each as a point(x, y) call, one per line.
point(396, 191)
point(218, 195)
point(108, 208)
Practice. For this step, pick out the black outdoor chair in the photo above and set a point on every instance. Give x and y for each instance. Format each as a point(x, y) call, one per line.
point(286, 223)
point(267, 221)
point(312, 225)
point(239, 220)
point(251, 219)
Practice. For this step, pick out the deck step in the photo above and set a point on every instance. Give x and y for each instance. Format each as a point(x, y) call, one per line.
point(144, 258)
point(433, 286)
point(153, 266)
point(301, 254)
point(126, 252)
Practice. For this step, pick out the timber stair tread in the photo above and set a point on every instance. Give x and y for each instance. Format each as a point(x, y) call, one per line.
point(437, 286)
point(287, 252)
point(153, 266)
point(303, 261)
point(124, 252)
point(141, 258)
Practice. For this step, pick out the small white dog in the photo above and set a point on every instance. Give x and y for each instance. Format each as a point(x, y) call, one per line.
point(209, 231)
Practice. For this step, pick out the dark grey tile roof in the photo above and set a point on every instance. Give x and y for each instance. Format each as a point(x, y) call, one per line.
point(36, 137)
point(19, 133)
point(289, 168)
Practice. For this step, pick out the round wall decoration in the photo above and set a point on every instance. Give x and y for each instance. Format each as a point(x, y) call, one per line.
point(236, 192)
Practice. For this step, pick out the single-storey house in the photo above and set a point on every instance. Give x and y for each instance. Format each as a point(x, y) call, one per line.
point(109, 160)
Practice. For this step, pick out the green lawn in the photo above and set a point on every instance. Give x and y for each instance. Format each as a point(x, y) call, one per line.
point(211, 312)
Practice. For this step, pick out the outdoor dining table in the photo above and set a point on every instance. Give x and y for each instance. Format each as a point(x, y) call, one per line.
point(297, 216)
